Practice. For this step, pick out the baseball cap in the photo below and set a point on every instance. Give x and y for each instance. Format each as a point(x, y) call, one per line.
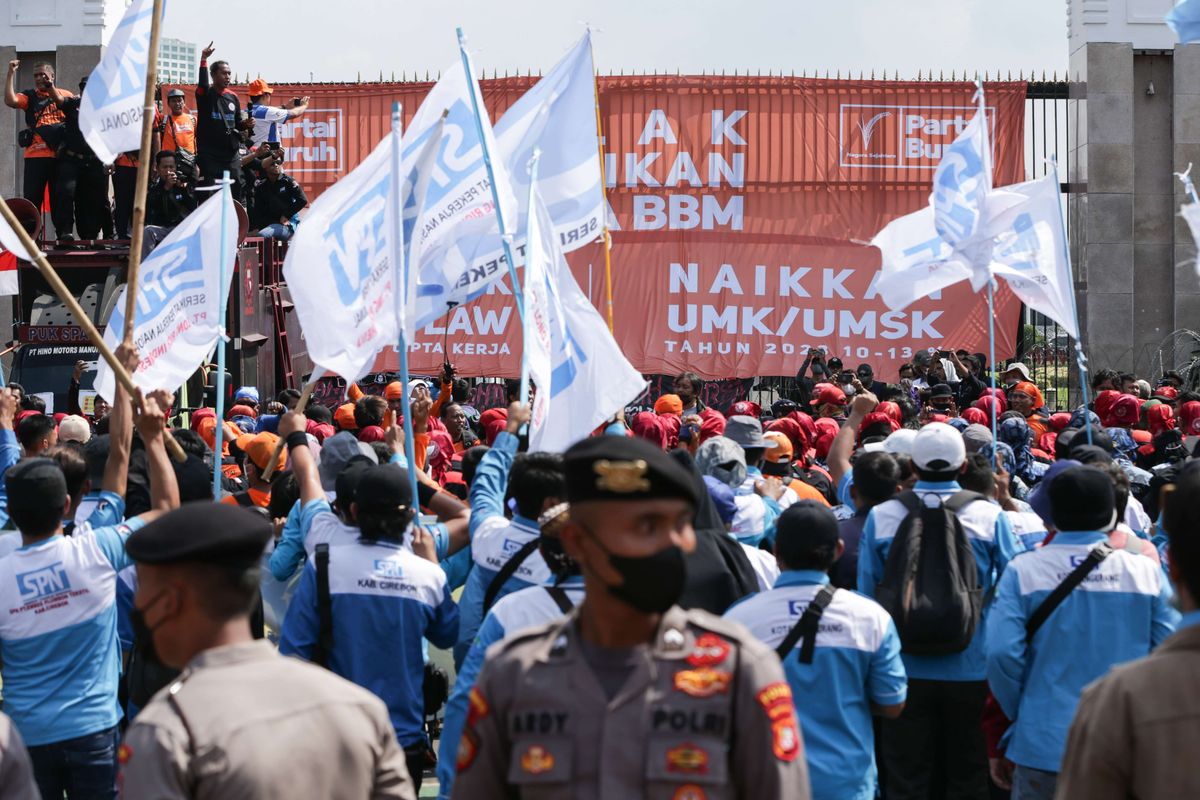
point(900, 443)
point(829, 394)
point(74, 428)
point(746, 432)
point(336, 452)
point(175, 93)
point(346, 483)
point(259, 447)
point(259, 86)
point(383, 487)
point(35, 484)
point(1082, 499)
point(806, 526)
point(938, 447)
point(782, 452)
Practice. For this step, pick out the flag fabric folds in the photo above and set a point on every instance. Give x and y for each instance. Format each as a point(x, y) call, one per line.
point(544, 317)
point(9, 241)
point(1184, 19)
point(110, 111)
point(179, 317)
point(1191, 215)
point(590, 378)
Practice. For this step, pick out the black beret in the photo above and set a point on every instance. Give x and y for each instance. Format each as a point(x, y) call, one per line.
point(624, 468)
point(212, 533)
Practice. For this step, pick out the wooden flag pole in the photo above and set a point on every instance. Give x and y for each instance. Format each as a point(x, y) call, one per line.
point(143, 176)
point(301, 404)
point(64, 294)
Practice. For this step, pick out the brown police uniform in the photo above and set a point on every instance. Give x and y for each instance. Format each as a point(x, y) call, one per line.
point(1134, 728)
point(706, 714)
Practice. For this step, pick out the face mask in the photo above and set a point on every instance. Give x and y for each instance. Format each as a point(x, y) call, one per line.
point(143, 634)
point(652, 583)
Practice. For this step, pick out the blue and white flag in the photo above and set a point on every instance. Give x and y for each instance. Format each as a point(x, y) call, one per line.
point(110, 111)
point(1184, 19)
point(962, 182)
point(339, 271)
point(1030, 251)
point(544, 317)
point(450, 229)
point(558, 116)
point(179, 317)
point(590, 378)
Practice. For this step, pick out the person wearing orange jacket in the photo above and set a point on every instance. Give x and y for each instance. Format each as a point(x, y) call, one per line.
point(778, 463)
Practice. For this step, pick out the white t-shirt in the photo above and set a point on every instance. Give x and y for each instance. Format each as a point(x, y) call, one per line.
point(265, 123)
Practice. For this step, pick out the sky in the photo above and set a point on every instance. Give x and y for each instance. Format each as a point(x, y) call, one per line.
point(339, 40)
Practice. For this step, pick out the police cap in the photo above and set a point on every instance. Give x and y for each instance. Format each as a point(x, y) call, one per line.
point(212, 533)
point(624, 468)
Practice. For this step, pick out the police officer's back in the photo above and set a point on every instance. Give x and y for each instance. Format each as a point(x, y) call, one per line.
point(241, 721)
point(631, 696)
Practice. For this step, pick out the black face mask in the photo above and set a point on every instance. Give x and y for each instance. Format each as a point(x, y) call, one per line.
point(652, 583)
point(143, 634)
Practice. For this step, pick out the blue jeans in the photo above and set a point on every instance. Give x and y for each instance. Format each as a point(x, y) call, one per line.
point(1033, 784)
point(83, 768)
point(276, 231)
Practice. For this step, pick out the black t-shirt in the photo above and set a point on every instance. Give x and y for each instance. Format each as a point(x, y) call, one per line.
point(217, 118)
point(72, 136)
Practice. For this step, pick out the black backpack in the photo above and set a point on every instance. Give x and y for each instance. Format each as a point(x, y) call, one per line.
point(930, 583)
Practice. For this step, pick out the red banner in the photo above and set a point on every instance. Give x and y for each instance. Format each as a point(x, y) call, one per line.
point(743, 206)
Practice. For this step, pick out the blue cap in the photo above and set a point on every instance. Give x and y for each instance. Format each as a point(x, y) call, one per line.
point(1039, 498)
point(246, 393)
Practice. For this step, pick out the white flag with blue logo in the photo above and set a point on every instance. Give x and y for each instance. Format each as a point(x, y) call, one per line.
point(450, 228)
point(1184, 19)
point(340, 274)
point(178, 313)
point(110, 111)
point(962, 182)
point(1190, 214)
point(1030, 251)
point(558, 116)
point(544, 318)
point(590, 378)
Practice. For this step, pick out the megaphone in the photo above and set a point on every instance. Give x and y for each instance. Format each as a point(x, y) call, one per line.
point(27, 214)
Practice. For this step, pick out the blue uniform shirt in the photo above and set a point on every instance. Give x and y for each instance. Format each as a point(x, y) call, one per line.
point(991, 536)
point(856, 662)
point(512, 613)
point(1120, 612)
point(385, 601)
point(58, 633)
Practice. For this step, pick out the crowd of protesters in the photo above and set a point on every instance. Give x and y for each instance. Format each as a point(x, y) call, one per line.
point(89, 200)
point(969, 594)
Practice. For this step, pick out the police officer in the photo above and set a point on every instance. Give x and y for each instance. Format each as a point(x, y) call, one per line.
point(241, 720)
point(630, 695)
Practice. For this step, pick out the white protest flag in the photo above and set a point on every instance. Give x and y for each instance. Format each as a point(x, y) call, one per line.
point(11, 242)
point(1191, 215)
point(558, 116)
point(339, 270)
point(1030, 251)
point(110, 111)
point(450, 229)
point(590, 379)
point(179, 313)
point(916, 261)
point(544, 317)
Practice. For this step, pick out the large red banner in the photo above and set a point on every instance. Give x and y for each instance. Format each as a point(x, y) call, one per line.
point(743, 205)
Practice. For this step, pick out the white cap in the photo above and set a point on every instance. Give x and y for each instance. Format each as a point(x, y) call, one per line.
point(938, 448)
point(74, 428)
point(900, 442)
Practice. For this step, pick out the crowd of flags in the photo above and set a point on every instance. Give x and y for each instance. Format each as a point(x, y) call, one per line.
point(446, 208)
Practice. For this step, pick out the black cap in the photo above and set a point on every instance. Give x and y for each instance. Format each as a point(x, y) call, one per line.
point(941, 390)
point(1090, 454)
point(806, 526)
point(345, 485)
point(34, 484)
point(383, 487)
point(1082, 499)
point(211, 533)
point(95, 450)
point(624, 468)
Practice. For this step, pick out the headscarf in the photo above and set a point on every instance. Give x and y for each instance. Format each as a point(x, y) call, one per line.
point(999, 395)
point(371, 433)
point(671, 423)
point(668, 404)
point(344, 417)
point(991, 408)
point(877, 424)
point(745, 408)
point(1060, 421)
point(723, 459)
point(976, 437)
point(1126, 410)
point(1160, 419)
point(1124, 447)
point(1189, 418)
point(1080, 418)
point(443, 452)
point(959, 424)
point(974, 416)
point(1104, 403)
point(712, 423)
point(951, 372)
point(241, 410)
point(1033, 391)
point(827, 429)
point(1046, 442)
point(493, 421)
point(792, 430)
point(646, 425)
point(806, 423)
point(319, 431)
point(1015, 433)
point(892, 410)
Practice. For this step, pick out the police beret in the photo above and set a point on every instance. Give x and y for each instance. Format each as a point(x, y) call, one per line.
point(211, 533)
point(624, 468)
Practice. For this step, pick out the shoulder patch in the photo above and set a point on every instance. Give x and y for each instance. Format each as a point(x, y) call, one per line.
point(776, 700)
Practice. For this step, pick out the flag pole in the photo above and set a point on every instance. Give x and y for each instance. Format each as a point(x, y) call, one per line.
point(82, 319)
point(604, 195)
point(991, 287)
point(528, 320)
point(143, 176)
point(1080, 358)
point(401, 298)
point(505, 238)
point(222, 339)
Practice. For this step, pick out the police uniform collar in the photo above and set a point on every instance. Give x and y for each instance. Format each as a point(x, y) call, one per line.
point(673, 640)
point(257, 650)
